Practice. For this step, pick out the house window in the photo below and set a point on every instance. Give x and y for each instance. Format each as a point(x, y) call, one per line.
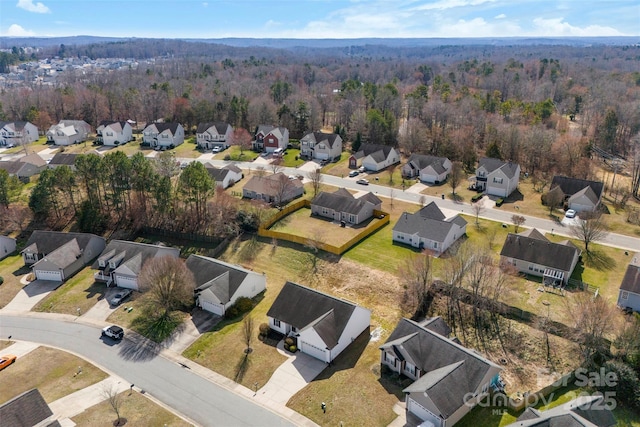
point(294, 329)
point(625, 295)
point(401, 237)
point(531, 268)
point(408, 367)
point(481, 173)
point(435, 245)
point(497, 180)
point(352, 219)
point(276, 323)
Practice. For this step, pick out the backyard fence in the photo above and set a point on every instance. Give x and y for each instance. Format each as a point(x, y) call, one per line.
point(583, 286)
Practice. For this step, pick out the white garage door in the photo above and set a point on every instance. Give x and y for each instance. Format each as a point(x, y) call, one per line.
point(212, 308)
point(55, 276)
point(314, 351)
point(126, 282)
point(423, 413)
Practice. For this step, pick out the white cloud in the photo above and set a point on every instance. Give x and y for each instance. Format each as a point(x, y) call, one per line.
point(450, 4)
point(501, 16)
point(558, 27)
point(29, 6)
point(16, 30)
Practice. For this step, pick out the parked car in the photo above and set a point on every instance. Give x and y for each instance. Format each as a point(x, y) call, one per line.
point(7, 360)
point(353, 173)
point(120, 296)
point(216, 149)
point(361, 169)
point(114, 332)
point(570, 213)
point(362, 181)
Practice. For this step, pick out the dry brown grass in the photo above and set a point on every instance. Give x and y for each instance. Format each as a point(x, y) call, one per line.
point(79, 292)
point(137, 409)
point(4, 344)
point(11, 269)
point(50, 371)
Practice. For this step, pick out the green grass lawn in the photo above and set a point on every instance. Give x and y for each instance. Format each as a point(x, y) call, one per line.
point(291, 158)
point(11, 269)
point(79, 292)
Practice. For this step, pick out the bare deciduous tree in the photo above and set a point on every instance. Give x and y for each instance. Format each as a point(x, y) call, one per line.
point(553, 198)
point(456, 176)
point(390, 171)
point(477, 209)
point(247, 332)
point(590, 227)
point(242, 139)
point(111, 395)
point(169, 282)
point(517, 221)
point(316, 180)
point(276, 165)
point(417, 275)
point(260, 171)
point(592, 316)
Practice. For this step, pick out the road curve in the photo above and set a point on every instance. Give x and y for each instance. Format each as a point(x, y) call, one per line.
point(200, 400)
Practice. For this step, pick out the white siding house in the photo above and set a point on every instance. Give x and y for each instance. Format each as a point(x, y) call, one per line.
point(163, 135)
point(629, 294)
point(496, 177)
point(13, 134)
point(69, 132)
point(7, 246)
point(112, 133)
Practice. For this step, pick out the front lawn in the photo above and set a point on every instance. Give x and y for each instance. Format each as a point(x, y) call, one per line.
point(80, 292)
point(11, 269)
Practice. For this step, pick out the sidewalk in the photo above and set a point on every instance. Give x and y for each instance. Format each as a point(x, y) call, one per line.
point(75, 403)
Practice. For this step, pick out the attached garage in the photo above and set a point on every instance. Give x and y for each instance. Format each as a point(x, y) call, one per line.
point(213, 307)
point(55, 276)
point(422, 412)
point(126, 282)
point(314, 351)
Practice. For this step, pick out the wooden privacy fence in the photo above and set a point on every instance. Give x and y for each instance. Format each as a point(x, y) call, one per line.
point(263, 231)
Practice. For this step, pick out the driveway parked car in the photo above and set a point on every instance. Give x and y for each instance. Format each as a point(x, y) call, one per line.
point(570, 213)
point(7, 360)
point(353, 173)
point(120, 296)
point(216, 149)
point(113, 331)
point(362, 181)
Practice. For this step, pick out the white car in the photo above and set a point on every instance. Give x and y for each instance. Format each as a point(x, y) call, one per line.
point(113, 331)
point(216, 149)
point(570, 213)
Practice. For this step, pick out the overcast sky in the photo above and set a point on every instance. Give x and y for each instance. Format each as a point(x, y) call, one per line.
point(319, 18)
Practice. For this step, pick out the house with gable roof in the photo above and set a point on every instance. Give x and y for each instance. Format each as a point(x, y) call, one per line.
point(629, 294)
point(429, 229)
point(374, 157)
point(449, 378)
point(163, 135)
point(63, 159)
point(121, 261)
point(225, 176)
point(321, 146)
point(27, 409)
point(7, 246)
point(497, 177)
point(276, 188)
point(583, 411)
point(341, 205)
point(429, 169)
point(530, 252)
point(323, 325)
point(56, 256)
point(579, 194)
point(68, 132)
point(112, 133)
point(269, 138)
point(213, 134)
point(24, 167)
point(220, 284)
point(13, 134)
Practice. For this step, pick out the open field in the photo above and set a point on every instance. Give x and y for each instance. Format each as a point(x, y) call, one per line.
point(135, 408)
point(51, 371)
point(11, 269)
point(79, 292)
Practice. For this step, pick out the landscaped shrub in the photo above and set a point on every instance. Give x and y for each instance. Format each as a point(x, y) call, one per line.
point(289, 341)
point(264, 329)
point(477, 197)
point(241, 306)
point(293, 349)
point(499, 202)
point(227, 157)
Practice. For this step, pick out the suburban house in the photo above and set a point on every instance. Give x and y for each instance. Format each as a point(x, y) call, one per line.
point(629, 295)
point(225, 176)
point(112, 133)
point(321, 146)
point(56, 256)
point(13, 134)
point(28, 409)
point(25, 167)
point(219, 284)
point(270, 138)
point(531, 253)
point(583, 411)
point(63, 159)
point(429, 169)
point(429, 229)
point(68, 132)
point(449, 379)
point(496, 177)
point(7, 246)
point(120, 262)
point(163, 135)
point(210, 135)
point(276, 188)
point(579, 194)
point(343, 206)
point(323, 325)
point(374, 157)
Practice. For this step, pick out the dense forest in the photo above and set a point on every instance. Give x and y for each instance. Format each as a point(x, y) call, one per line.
point(547, 107)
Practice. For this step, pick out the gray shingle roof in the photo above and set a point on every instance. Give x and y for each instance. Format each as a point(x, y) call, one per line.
point(68, 159)
point(451, 370)
point(428, 223)
point(133, 254)
point(161, 127)
point(588, 192)
point(221, 278)
point(45, 242)
point(584, 411)
point(421, 161)
point(220, 127)
point(318, 137)
point(268, 184)
point(490, 164)
point(215, 173)
point(537, 251)
point(571, 186)
point(631, 279)
point(25, 410)
point(304, 307)
point(341, 202)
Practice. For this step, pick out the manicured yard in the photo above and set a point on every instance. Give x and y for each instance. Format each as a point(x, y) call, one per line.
point(11, 269)
point(51, 371)
point(79, 292)
point(291, 158)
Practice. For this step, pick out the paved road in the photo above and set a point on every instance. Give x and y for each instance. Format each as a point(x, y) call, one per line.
point(495, 214)
point(205, 403)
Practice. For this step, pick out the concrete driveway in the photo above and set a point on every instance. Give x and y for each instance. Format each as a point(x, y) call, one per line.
point(30, 295)
point(292, 376)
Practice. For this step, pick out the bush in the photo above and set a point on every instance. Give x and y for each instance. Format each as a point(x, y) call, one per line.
point(227, 157)
point(627, 385)
point(264, 329)
point(477, 197)
point(289, 341)
point(1, 280)
point(241, 306)
point(293, 349)
point(499, 202)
